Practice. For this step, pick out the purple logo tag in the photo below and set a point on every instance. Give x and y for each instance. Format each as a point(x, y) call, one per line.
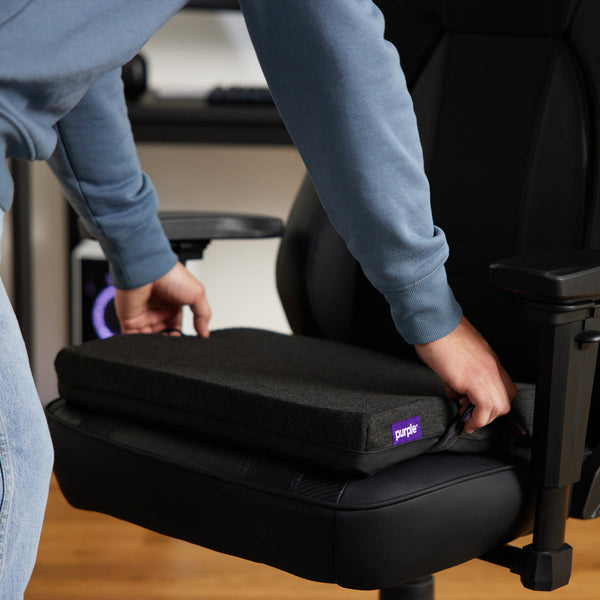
point(407, 431)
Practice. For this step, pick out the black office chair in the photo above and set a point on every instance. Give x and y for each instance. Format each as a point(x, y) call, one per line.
point(258, 445)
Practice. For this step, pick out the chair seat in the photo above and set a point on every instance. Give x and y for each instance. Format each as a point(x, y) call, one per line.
point(363, 533)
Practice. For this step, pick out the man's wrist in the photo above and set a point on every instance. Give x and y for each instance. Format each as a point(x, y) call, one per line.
point(425, 311)
point(142, 256)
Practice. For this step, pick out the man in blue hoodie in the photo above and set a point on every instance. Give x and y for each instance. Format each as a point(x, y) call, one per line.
point(61, 100)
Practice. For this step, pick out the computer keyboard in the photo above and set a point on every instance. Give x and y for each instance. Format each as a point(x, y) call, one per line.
point(239, 95)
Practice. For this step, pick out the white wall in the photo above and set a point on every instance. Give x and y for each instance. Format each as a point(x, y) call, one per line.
point(199, 49)
point(193, 52)
point(50, 273)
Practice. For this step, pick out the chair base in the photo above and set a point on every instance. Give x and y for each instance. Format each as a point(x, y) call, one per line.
point(417, 589)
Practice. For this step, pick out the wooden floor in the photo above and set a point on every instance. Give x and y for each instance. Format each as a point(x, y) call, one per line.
point(86, 556)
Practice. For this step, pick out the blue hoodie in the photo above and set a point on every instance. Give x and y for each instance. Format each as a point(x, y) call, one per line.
point(337, 83)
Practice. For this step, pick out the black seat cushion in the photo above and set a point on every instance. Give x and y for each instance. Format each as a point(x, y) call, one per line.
point(334, 405)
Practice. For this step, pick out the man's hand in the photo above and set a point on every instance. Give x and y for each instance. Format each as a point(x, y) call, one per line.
point(157, 306)
point(471, 373)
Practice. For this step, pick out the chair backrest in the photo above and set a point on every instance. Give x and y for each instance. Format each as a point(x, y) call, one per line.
point(507, 100)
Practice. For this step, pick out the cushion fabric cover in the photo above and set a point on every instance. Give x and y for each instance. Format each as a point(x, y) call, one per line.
point(291, 395)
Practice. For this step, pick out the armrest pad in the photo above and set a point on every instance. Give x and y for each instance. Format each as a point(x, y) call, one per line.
point(194, 226)
point(191, 231)
point(563, 275)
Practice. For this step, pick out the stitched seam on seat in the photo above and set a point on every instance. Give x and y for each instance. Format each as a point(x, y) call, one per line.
point(431, 489)
point(242, 483)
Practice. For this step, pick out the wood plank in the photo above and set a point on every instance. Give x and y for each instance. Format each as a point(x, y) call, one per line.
point(87, 556)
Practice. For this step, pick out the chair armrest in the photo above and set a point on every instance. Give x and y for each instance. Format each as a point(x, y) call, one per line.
point(561, 293)
point(564, 276)
point(562, 296)
point(190, 232)
point(194, 226)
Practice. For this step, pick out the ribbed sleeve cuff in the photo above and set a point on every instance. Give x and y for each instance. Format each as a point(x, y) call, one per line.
point(426, 310)
point(140, 257)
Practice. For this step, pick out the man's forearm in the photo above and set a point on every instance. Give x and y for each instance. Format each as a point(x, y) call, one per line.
point(97, 165)
point(340, 89)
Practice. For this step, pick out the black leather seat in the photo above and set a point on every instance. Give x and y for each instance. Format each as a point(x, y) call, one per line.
point(506, 95)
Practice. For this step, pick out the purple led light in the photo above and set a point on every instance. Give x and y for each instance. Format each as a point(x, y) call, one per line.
point(103, 299)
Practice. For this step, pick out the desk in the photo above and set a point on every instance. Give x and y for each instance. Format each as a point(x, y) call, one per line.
point(196, 121)
point(152, 120)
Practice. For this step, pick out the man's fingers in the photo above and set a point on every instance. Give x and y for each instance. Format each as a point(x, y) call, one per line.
point(463, 403)
point(174, 322)
point(468, 367)
point(509, 384)
point(451, 392)
point(489, 404)
point(480, 414)
point(201, 326)
point(479, 418)
point(202, 315)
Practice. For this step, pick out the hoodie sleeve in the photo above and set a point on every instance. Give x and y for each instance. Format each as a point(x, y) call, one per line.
point(341, 91)
point(96, 163)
